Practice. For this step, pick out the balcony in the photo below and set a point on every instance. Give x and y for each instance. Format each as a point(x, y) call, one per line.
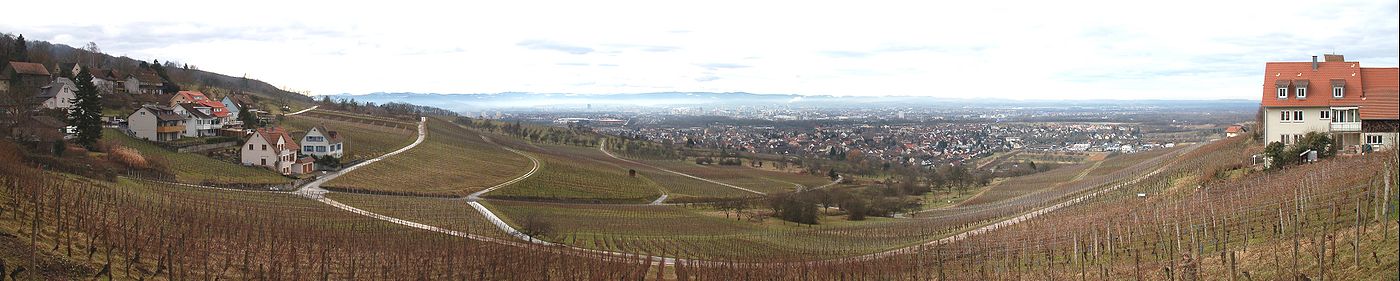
point(170, 129)
point(1346, 126)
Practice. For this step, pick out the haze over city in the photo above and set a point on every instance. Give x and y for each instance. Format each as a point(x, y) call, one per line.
point(1027, 50)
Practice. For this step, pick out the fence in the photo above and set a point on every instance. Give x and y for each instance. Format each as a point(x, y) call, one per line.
point(204, 147)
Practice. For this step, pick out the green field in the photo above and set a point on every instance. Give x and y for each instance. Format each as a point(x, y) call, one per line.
point(755, 179)
point(564, 175)
point(451, 161)
point(701, 233)
point(197, 168)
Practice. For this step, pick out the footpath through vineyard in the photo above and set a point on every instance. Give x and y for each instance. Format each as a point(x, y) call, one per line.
point(313, 191)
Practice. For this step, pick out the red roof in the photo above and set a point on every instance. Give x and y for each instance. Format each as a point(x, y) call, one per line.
point(1381, 93)
point(1233, 129)
point(217, 108)
point(1373, 90)
point(272, 134)
point(192, 95)
point(29, 68)
point(1319, 83)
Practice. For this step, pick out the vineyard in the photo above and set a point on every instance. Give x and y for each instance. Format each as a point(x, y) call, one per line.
point(197, 168)
point(571, 178)
point(451, 162)
point(1187, 213)
point(755, 179)
point(134, 231)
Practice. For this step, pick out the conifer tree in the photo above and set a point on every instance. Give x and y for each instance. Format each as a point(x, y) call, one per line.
point(86, 113)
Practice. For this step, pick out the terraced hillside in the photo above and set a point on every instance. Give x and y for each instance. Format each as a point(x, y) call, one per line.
point(451, 162)
point(578, 174)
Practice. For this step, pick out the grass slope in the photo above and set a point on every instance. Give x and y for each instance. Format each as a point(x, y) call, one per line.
point(451, 161)
point(196, 168)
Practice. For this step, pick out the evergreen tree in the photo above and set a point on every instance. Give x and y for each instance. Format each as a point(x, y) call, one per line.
point(20, 52)
point(86, 113)
point(249, 119)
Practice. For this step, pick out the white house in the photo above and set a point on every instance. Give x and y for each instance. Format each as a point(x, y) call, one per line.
point(1355, 105)
point(199, 120)
point(272, 148)
point(58, 95)
point(155, 123)
point(321, 142)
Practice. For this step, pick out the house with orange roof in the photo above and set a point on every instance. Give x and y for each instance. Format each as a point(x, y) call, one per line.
point(1356, 105)
point(272, 148)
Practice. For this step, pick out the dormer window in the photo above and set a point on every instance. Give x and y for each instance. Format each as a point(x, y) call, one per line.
point(1339, 88)
point(1301, 88)
point(1282, 93)
point(1282, 86)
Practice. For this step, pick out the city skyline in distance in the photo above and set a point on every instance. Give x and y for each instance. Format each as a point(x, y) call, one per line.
point(1075, 51)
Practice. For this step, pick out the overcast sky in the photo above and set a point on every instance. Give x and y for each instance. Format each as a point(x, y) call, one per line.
point(974, 49)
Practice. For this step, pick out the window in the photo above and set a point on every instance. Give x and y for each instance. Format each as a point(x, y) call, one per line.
point(1297, 138)
point(1324, 114)
point(1282, 92)
point(1298, 115)
point(1337, 92)
point(306, 148)
point(1283, 139)
point(315, 138)
point(1283, 115)
point(320, 149)
point(264, 161)
point(1302, 92)
point(264, 147)
point(250, 146)
point(1375, 139)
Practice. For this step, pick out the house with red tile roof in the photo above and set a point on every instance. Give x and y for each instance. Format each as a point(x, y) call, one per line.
point(1356, 105)
point(272, 148)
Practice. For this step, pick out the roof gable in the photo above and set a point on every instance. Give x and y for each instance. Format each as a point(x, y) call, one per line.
point(29, 68)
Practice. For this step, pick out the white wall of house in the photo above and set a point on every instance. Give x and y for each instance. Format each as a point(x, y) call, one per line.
point(1387, 140)
point(142, 124)
point(258, 152)
point(316, 143)
point(133, 85)
point(63, 99)
point(1276, 127)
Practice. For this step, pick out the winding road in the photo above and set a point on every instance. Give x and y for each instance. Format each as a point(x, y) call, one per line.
point(314, 191)
point(604, 143)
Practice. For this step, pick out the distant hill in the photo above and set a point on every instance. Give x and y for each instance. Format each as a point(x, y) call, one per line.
point(186, 78)
point(516, 100)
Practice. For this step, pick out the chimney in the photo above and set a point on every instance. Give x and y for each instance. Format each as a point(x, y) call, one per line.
point(1314, 63)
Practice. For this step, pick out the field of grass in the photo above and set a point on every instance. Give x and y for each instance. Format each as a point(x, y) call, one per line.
point(364, 138)
point(197, 168)
point(565, 175)
point(700, 233)
point(680, 188)
point(451, 161)
point(755, 179)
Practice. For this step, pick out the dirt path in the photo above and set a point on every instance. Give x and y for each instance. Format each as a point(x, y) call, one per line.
point(605, 151)
point(533, 161)
point(304, 110)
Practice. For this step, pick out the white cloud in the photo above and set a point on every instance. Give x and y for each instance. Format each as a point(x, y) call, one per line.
point(1032, 49)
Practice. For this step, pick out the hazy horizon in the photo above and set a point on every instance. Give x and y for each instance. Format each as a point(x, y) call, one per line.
point(1021, 51)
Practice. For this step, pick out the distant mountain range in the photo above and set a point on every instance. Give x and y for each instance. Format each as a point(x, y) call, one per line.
point(516, 100)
